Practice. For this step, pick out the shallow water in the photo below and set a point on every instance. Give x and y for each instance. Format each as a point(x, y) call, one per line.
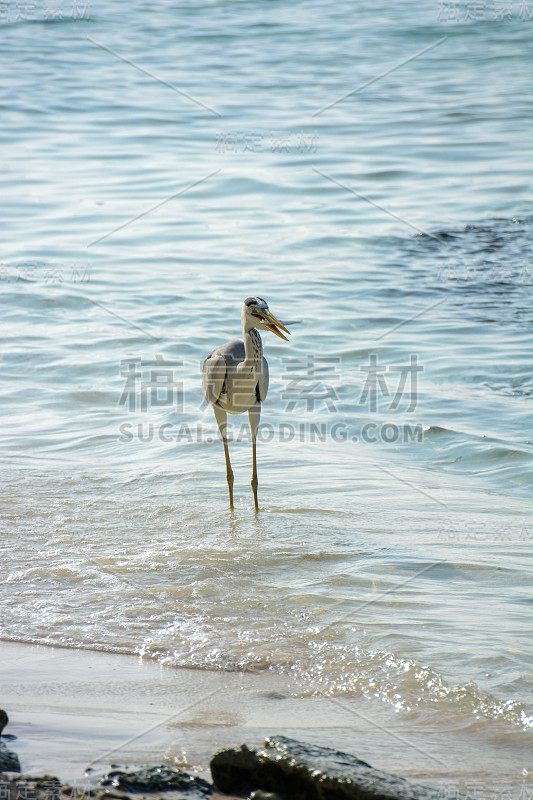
point(390, 555)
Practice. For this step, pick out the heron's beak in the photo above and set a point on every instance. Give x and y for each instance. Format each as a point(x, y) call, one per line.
point(274, 324)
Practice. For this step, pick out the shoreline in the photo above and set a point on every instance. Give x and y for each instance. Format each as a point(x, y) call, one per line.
point(76, 709)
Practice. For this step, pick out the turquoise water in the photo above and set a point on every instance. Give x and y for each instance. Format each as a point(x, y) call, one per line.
point(366, 170)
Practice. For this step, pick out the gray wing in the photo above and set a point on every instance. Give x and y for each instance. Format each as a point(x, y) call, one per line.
point(214, 371)
point(215, 368)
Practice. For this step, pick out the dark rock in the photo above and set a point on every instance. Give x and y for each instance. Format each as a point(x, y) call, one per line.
point(157, 779)
point(300, 771)
point(9, 761)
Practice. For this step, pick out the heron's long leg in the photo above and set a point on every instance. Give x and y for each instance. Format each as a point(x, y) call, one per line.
point(254, 415)
point(221, 417)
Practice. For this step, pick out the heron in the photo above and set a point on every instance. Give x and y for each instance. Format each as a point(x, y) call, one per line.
point(235, 379)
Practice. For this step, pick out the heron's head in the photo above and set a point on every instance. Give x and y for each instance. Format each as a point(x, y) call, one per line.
point(256, 314)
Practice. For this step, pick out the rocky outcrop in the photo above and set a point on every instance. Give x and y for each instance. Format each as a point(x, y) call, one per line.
point(299, 771)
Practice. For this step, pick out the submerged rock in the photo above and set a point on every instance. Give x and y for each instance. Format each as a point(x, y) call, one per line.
point(156, 779)
point(9, 761)
point(299, 771)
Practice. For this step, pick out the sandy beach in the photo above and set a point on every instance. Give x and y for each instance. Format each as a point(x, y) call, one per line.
point(74, 710)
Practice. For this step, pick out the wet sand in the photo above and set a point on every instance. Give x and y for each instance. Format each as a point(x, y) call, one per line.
point(73, 710)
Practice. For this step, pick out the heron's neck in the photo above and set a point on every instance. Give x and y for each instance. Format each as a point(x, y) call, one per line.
point(253, 346)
